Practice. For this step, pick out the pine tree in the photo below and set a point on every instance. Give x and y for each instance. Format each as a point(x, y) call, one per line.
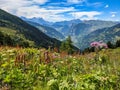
point(118, 43)
point(63, 46)
point(110, 45)
point(67, 46)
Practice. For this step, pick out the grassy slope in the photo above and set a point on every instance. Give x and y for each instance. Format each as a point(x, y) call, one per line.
point(5, 30)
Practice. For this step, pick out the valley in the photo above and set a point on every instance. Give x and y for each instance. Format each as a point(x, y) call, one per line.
point(59, 45)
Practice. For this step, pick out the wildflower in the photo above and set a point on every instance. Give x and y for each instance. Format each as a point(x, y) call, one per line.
point(99, 44)
point(94, 44)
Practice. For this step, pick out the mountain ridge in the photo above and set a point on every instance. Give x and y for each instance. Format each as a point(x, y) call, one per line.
point(79, 29)
point(111, 34)
point(51, 32)
point(29, 32)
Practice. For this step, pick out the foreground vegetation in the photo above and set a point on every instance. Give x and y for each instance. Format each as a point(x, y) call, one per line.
point(40, 69)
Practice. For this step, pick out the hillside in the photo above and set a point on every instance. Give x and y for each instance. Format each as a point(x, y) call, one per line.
point(99, 24)
point(23, 31)
point(51, 32)
point(85, 27)
point(79, 31)
point(65, 26)
point(106, 34)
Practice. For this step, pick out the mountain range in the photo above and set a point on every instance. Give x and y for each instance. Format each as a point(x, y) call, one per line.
point(80, 31)
point(41, 33)
point(111, 34)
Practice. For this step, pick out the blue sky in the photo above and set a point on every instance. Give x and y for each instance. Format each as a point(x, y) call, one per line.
point(60, 10)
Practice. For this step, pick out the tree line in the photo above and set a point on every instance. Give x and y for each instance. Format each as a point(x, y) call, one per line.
point(66, 45)
point(8, 40)
point(109, 44)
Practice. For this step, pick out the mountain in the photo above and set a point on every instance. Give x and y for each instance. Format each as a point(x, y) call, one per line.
point(77, 29)
point(80, 30)
point(64, 26)
point(99, 24)
point(40, 21)
point(106, 34)
point(13, 28)
point(48, 30)
point(86, 27)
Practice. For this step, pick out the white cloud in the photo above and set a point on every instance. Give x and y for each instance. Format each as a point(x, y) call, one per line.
point(76, 1)
point(106, 6)
point(86, 15)
point(50, 14)
point(13, 5)
point(113, 15)
point(95, 4)
point(40, 1)
point(32, 8)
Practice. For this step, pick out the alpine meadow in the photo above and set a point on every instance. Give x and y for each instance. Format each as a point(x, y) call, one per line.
point(59, 45)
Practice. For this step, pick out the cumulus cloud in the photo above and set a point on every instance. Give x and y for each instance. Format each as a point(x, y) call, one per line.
point(13, 5)
point(49, 13)
point(86, 15)
point(33, 8)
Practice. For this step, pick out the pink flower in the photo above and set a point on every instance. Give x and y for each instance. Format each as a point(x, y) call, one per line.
point(99, 44)
point(94, 44)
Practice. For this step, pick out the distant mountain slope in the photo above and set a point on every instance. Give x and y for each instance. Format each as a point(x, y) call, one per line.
point(99, 24)
point(48, 30)
point(86, 27)
point(106, 34)
point(62, 26)
point(65, 26)
point(23, 30)
point(40, 21)
point(79, 31)
point(78, 27)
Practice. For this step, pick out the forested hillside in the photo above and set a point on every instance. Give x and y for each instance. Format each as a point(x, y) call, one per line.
point(22, 32)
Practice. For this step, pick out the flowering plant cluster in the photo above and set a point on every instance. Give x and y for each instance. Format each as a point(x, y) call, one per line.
point(99, 44)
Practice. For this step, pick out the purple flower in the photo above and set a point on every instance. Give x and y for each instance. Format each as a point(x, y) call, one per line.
point(94, 44)
point(99, 44)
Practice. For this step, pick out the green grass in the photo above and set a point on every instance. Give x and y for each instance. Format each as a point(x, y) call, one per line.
point(26, 69)
point(5, 30)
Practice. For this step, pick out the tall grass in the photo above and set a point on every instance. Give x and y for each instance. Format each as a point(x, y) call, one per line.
point(40, 69)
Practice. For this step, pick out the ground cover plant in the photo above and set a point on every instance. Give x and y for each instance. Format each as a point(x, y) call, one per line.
point(41, 69)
